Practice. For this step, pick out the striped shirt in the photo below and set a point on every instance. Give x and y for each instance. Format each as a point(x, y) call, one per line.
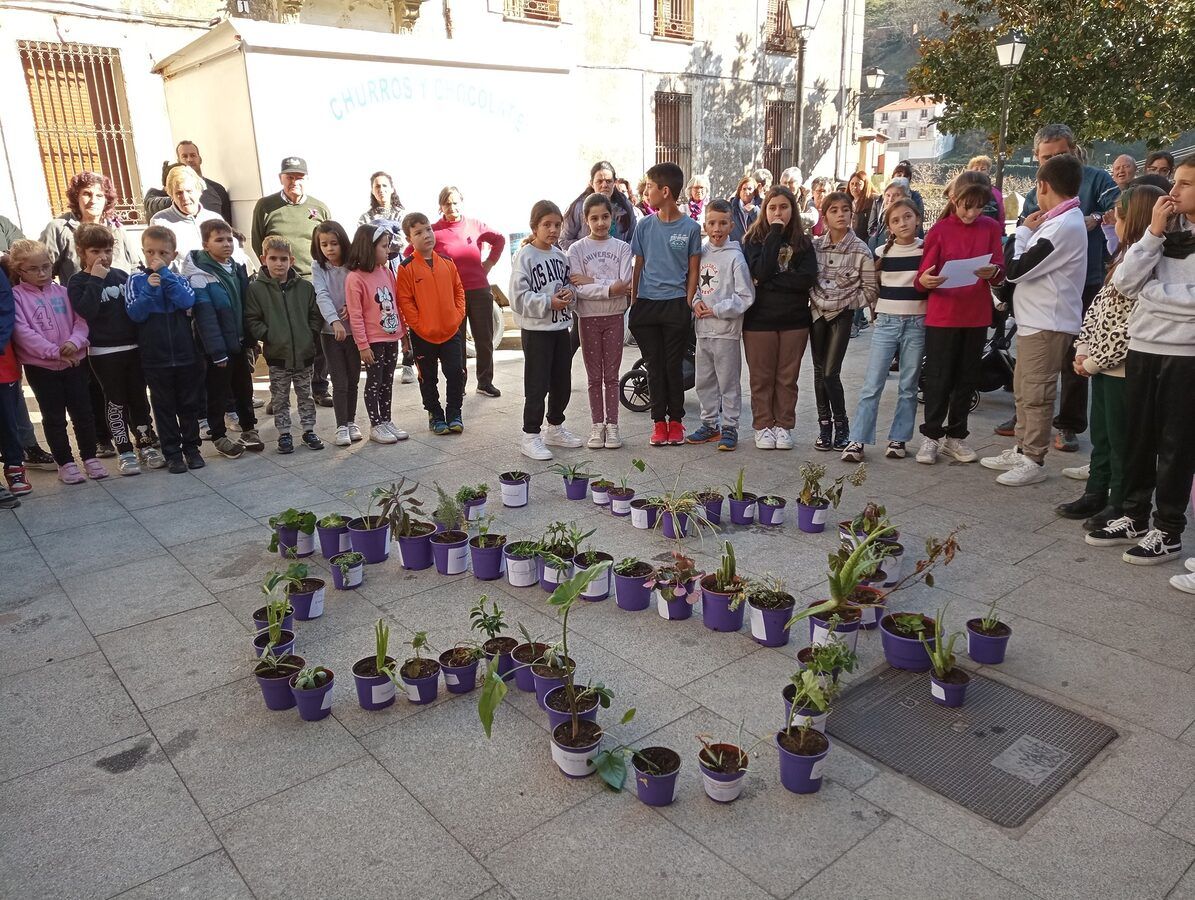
point(897, 267)
point(846, 276)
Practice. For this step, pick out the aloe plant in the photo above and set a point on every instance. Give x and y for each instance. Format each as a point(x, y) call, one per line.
point(941, 651)
point(848, 567)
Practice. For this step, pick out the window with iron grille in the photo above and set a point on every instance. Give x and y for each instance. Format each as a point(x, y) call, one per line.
point(778, 123)
point(535, 10)
point(81, 119)
point(674, 19)
point(674, 129)
point(779, 36)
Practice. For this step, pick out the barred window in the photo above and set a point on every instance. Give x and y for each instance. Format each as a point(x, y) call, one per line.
point(535, 10)
point(674, 19)
point(81, 119)
point(779, 120)
point(779, 36)
point(674, 129)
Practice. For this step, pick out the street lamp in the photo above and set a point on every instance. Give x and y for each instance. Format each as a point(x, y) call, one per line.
point(873, 78)
point(803, 16)
point(1009, 51)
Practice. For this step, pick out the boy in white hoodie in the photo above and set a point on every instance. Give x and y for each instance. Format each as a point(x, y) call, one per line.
point(724, 293)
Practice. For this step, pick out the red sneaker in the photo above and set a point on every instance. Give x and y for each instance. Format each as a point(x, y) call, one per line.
point(659, 434)
point(676, 432)
point(18, 483)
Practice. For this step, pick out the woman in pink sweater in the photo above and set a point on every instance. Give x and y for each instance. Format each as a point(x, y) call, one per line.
point(51, 342)
point(377, 326)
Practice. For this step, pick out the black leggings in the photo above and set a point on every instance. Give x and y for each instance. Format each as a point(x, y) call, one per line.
point(828, 339)
point(344, 369)
point(126, 409)
point(234, 378)
point(379, 381)
point(547, 369)
point(60, 392)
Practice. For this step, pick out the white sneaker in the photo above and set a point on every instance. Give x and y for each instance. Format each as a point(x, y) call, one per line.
point(597, 437)
point(1185, 583)
point(342, 438)
point(765, 439)
point(408, 374)
point(128, 464)
point(533, 447)
point(1190, 564)
point(783, 438)
point(355, 432)
point(559, 436)
point(381, 434)
point(399, 434)
point(1079, 473)
point(1028, 472)
point(1010, 459)
point(927, 453)
point(613, 439)
point(958, 451)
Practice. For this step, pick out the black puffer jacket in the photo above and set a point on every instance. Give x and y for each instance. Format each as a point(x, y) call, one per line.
point(781, 289)
point(101, 301)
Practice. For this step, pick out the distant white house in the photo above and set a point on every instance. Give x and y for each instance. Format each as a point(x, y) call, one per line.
point(911, 126)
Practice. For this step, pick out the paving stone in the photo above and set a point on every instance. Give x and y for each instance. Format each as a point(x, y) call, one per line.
point(362, 814)
point(222, 475)
point(228, 560)
point(190, 520)
point(274, 493)
point(747, 690)
point(1144, 775)
point(25, 574)
point(1179, 820)
point(40, 514)
point(92, 548)
point(59, 711)
point(34, 632)
point(334, 475)
point(12, 533)
point(211, 877)
point(97, 824)
point(230, 751)
point(134, 593)
point(1185, 889)
point(155, 487)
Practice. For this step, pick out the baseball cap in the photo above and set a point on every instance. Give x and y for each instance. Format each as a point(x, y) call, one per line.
point(293, 164)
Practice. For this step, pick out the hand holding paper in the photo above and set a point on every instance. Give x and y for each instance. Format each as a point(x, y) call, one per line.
point(961, 272)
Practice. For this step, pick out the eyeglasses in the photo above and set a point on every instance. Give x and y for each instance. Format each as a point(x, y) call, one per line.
point(38, 270)
point(1162, 169)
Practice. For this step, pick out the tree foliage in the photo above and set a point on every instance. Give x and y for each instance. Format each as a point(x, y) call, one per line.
point(1112, 69)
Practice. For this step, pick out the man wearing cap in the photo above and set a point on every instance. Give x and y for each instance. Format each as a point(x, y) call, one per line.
point(293, 214)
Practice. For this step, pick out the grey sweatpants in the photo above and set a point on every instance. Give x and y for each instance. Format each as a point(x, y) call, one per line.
point(281, 380)
point(718, 379)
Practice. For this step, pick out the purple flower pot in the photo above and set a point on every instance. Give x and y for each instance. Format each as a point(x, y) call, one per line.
point(261, 623)
point(801, 774)
point(374, 691)
point(713, 510)
point(308, 605)
point(893, 564)
point(505, 665)
point(742, 512)
point(515, 491)
point(652, 789)
point(716, 613)
point(946, 694)
point(902, 652)
point(871, 615)
point(559, 718)
point(523, 678)
point(316, 703)
point(576, 488)
point(812, 519)
point(549, 577)
point(372, 542)
point(575, 762)
point(487, 561)
point(600, 494)
point(644, 513)
point(459, 679)
point(676, 609)
point(451, 557)
point(620, 503)
point(333, 541)
point(769, 627)
point(351, 580)
point(805, 714)
point(294, 543)
point(847, 631)
point(631, 593)
point(422, 690)
point(475, 508)
point(416, 552)
point(276, 692)
point(771, 513)
point(675, 526)
point(986, 649)
point(723, 787)
point(544, 684)
point(599, 588)
point(285, 646)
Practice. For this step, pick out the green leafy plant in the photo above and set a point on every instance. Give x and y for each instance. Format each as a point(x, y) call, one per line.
point(809, 692)
point(737, 491)
point(448, 512)
point(768, 592)
point(333, 520)
point(398, 506)
point(941, 651)
point(491, 622)
point(345, 561)
point(912, 624)
point(573, 471)
point(716, 759)
point(611, 765)
point(523, 549)
point(673, 580)
point(312, 677)
point(271, 666)
point(484, 538)
point(300, 520)
point(849, 565)
point(873, 517)
point(381, 640)
point(623, 482)
point(772, 500)
point(990, 621)
point(564, 539)
point(813, 493)
point(938, 551)
point(469, 492)
point(626, 565)
point(834, 655)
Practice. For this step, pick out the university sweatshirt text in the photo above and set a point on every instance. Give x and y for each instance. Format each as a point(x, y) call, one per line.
point(535, 277)
point(605, 262)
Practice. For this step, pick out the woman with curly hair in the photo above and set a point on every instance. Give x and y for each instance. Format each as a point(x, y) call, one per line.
point(92, 200)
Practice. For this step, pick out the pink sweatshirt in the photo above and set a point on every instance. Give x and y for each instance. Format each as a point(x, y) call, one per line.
point(370, 299)
point(461, 242)
point(45, 320)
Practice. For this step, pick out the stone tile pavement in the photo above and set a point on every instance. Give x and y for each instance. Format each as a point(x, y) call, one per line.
point(141, 762)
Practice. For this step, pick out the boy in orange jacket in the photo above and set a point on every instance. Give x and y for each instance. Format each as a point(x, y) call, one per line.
point(432, 301)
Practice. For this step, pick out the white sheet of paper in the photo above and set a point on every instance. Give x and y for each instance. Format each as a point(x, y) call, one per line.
point(961, 272)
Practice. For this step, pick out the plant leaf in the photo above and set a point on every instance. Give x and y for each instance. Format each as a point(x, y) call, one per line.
point(627, 716)
point(493, 690)
point(612, 767)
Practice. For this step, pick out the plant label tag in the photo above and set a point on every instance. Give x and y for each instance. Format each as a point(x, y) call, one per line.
point(820, 515)
point(514, 495)
point(317, 604)
point(521, 572)
point(326, 703)
point(553, 576)
point(451, 678)
point(723, 791)
point(675, 788)
point(573, 763)
point(305, 544)
point(346, 542)
point(457, 559)
point(639, 517)
point(601, 498)
point(749, 512)
point(620, 507)
point(821, 635)
point(816, 772)
point(412, 692)
point(661, 605)
point(937, 690)
point(778, 515)
point(473, 513)
point(384, 691)
point(758, 631)
point(356, 576)
point(970, 644)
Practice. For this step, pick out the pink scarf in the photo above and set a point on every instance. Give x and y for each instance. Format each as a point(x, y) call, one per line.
point(1062, 207)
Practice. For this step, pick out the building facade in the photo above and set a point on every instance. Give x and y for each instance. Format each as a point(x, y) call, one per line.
point(911, 126)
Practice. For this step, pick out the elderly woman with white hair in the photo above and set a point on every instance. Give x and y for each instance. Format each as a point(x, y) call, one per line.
point(792, 179)
point(185, 213)
point(697, 191)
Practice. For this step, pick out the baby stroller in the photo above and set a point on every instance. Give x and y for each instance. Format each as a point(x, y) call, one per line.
point(632, 387)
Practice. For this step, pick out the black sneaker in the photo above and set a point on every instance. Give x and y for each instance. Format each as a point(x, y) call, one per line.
point(1119, 531)
point(176, 465)
point(104, 450)
point(286, 443)
point(825, 437)
point(896, 450)
point(488, 390)
point(324, 400)
point(37, 458)
point(312, 441)
point(1156, 547)
point(194, 458)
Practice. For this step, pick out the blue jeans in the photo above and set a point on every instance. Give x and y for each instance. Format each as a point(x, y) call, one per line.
point(892, 334)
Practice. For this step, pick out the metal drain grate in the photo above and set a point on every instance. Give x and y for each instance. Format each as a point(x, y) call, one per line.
point(1002, 755)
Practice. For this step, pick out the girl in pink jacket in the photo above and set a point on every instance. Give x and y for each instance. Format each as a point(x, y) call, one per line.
point(51, 343)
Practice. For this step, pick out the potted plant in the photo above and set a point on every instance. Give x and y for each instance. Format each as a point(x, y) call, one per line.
point(588, 700)
point(827, 661)
point(656, 770)
point(274, 637)
point(520, 561)
point(631, 591)
point(348, 570)
point(312, 689)
point(848, 566)
point(900, 634)
point(333, 533)
point(369, 534)
point(491, 622)
point(802, 746)
point(948, 682)
point(420, 674)
point(987, 638)
point(600, 491)
point(294, 533)
point(522, 656)
point(644, 513)
point(459, 666)
point(722, 595)
point(516, 486)
point(449, 542)
point(599, 588)
point(398, 506)
point(486, 551)
point(723, 767)
point(742, 502)
point(550, 671)
point(374, 675)
point(677, 586)
point(306, 594)
point(815, 500)
point(873, 517)
point(576, 478)
point(472, 497)
point(770, 510)
point(560, 543)
point(274, 588)
point(711, 500)
point(273, 675)
point(622, 494)
point(769, 607)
